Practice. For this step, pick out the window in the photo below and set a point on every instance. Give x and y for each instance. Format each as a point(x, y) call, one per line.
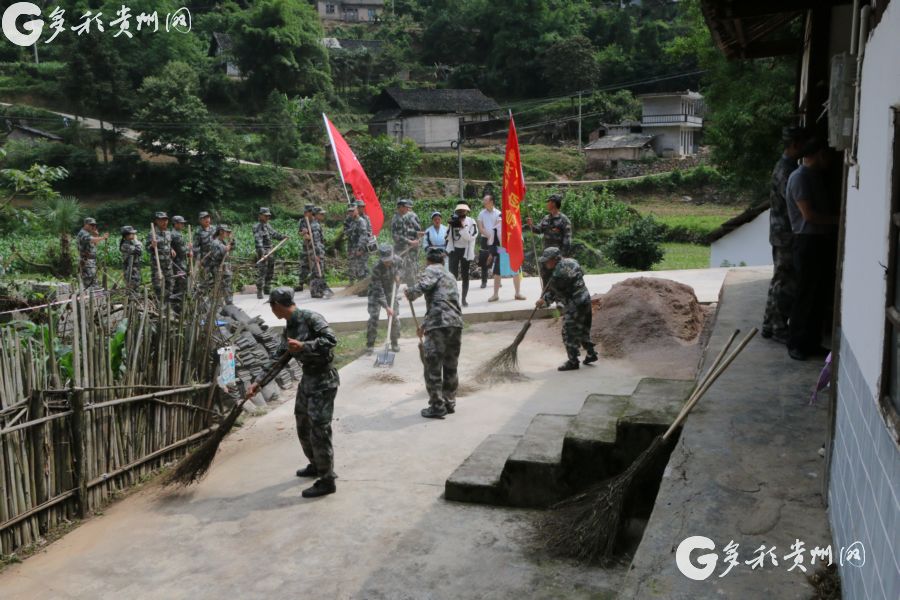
point(373, 14)
point(890, 377)
point(351, 14)
point(329, 9)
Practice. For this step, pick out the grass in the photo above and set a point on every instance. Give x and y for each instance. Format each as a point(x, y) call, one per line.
point(683, 256)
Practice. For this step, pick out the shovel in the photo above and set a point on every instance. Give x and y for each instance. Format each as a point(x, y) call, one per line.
point(386, 357)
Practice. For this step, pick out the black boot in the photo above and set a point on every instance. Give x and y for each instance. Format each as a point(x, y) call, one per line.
point(298, 287)
point(451, 407)
point(322, 487)
point(569, 365)
point(592, 357)
point(308, 471)
point(434, 413)
point(259, 294)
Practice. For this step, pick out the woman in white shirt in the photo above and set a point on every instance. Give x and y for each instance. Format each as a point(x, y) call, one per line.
point(461, 245)
point(436, 235)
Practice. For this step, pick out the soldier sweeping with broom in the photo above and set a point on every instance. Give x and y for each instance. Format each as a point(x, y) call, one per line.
point(565, 283)
point(385, 277)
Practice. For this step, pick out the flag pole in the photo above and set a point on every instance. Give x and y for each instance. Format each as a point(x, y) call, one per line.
point(336, 159)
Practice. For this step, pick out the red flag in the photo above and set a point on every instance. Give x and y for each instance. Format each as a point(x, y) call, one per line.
point(513, 196)
point(352, 172)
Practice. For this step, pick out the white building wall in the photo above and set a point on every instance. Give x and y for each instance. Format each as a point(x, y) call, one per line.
point(747, 245)
point(431, 131)
point(669, 140)
point(668, 105)
point(864, 485)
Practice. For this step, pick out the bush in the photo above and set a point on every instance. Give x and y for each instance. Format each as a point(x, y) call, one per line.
point(638, 246)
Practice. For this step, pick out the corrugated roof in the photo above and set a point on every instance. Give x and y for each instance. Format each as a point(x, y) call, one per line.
point(627, 140)
point(435, 101)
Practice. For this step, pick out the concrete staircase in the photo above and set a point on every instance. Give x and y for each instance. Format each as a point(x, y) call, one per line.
point(560, 454)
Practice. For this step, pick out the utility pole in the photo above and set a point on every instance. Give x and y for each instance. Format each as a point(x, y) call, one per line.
point(36, 61)
point(458, 144)
point(579, 120)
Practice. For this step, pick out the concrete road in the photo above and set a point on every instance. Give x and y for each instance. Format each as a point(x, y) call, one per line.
point(244, 532)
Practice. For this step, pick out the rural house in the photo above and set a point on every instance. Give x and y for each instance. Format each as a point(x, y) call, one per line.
point(742, 240)
point(221, 48)
point(674, 118)
point(431, 118)
point(362, 11)
point(604, 151)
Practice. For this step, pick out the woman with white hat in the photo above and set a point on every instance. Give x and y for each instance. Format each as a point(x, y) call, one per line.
point(461, 245)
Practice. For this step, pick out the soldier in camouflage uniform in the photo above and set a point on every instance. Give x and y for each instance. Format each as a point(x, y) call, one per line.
point(161, 246)
point(555, 227)
point(782, 288)
point(263, 234)
point(181, 249)
point(87, 240)
point(442, 331)
point(566, 285)
point(311, 341)
point(318, 287)
point(307, 264)
point(203, 237)
point(381, 290)
point(132, 250)
point(217, 261)
point(357, 246)
point(405, 233)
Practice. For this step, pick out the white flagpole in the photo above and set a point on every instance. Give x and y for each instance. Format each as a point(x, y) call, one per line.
point(337, 160)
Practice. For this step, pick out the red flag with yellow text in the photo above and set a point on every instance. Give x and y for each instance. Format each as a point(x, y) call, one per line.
point(513, 195)
point(352, 173)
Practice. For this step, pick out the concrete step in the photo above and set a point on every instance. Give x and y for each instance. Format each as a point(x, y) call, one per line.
point(478, 478)
point(533, 476)
point(590, 442)
point(657, 401)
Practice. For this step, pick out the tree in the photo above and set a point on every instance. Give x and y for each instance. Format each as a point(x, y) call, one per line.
point(171, 117)
point(279, 129)
point(278, 44)
point(61, 215)
point(208, 173)
point(388, 164)
point(570, 65)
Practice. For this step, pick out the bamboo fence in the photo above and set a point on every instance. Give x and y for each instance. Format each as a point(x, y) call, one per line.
point(95, 397)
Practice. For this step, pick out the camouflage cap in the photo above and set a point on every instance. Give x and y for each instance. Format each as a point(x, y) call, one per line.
point(222, 227)
point(178, 219)
point(360, 203)
point(160, 215)
point(550, 253)
point(435, 254)
point(555, 197)
point(308, 207)
point(404, 202)
point(90, 221)
point(385, 253)
point(128, 229)
point(351, 207)
point(317, 210)
point(265, 211)
point(281, 295)
point(203, 215)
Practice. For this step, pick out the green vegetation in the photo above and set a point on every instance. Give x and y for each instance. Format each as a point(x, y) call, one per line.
point(636, 246)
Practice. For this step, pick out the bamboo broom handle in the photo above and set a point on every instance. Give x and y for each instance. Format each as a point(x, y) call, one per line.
point(707, 383)
point(273, 250)
point(709, 372)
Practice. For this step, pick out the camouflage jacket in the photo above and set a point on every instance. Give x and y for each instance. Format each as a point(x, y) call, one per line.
point(780, 233)
point(131, 251)
point(381, 286)
point(86, 248)
point(163, 245)
point(181, 248)
point(566, 283)
point(317, 238)
point(202, 242)
point(263, 234)
point(357, 237)
point(557, 231)
point(441, 298)
point(319, 341)
point(218, 253)
point(404, 229)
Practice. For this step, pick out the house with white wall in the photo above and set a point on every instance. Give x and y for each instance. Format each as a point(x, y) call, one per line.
point(742, 241)
point(354, 11)
point(848, 90)
point(675, 118)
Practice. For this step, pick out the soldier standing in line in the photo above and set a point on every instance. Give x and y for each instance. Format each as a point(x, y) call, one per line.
point(566, 285)
point(161, 245)
point(318, 287)
point(263, 234)
point(555, 227)
point(217, 262)
point(180, 251)
point(88, 239)
point(311, 341)
point(405, 233)
point(305, 267)
point(203, 237)
point(442, 332)
point(132, 250)
point(357, 246)
point(783, 286)
point(381, 290)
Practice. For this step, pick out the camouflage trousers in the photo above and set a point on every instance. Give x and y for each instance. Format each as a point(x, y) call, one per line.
point(179, 281)
point(227, 290)
point(372, 326)
point(313, 411)
point(576, 331)
point(88, 268)
point(131, 274)
point(782, 290)
point(167, 278)
point(440, 353)
point(410, 267)
point(358, 267)
point(265, 272)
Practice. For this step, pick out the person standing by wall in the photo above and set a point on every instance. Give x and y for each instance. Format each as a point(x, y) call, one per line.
point(462, 234)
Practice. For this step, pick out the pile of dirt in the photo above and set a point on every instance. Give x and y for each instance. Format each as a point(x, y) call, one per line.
point(643, 313)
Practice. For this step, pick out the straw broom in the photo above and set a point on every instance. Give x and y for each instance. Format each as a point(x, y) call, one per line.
point(587, 525)
point(195, 465)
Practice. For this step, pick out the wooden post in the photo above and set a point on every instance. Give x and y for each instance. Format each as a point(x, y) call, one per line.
point(38, 457)
point(76, 401)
